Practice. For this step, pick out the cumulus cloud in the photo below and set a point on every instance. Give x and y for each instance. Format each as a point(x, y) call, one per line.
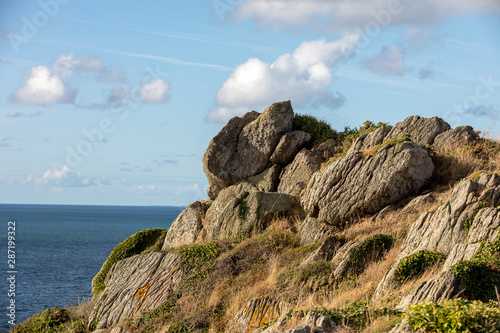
point(305, 76)
point(484, 111)
point(119, 96)
point(155, 91)
point(63, 177)
point(43, 86)
point(388, 61)
point(348, 15)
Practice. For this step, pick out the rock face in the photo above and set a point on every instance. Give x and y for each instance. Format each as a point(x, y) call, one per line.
point(289, 145)
point(357, 185)
point(312, 230)
point(459, 135)
point(187, 227)
point(243, 147)
point(257, 313)
point(422, 131)
point(457, 227)
point(242, 209)
point(297, 174)
point(138, 283)
point(267, 180)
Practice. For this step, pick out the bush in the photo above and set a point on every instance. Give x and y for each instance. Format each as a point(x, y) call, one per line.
point(319, 129)
point(372, 248)
point(50, 320)
point(144, 241)
point(479, 279)
point(454, 316)
point(416, 263)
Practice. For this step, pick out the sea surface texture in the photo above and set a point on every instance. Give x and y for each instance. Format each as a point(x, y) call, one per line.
point(60, 248)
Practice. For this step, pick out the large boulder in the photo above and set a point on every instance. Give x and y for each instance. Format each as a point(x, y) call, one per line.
point(296, 175)
point(187, 228)
point(356, 185)
point(267, 180)
point(139, 283)
point(243, 147)
point(289, 145)
point(242, 209)
point(313, 230)
point(368, 140)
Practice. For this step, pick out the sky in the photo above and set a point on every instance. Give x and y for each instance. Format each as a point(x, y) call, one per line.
point(115, 102)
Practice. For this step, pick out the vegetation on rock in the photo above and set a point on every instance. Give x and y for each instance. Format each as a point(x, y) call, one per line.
point(416, 264)
point(144, 241)
point(371, 249)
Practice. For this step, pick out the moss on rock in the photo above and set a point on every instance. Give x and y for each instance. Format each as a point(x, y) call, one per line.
point(141, 242)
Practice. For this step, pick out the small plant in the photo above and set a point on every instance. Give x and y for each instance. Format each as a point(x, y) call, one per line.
point(50, 320)
point(479, 279)
point(392, 142)
point(372, 248)
point(416, 263)
point(457, 315)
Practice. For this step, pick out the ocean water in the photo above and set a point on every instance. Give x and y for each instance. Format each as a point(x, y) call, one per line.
point(60, 248)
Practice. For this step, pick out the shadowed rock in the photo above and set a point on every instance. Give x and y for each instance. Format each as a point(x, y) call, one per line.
point(289, 145)
point(297, 174)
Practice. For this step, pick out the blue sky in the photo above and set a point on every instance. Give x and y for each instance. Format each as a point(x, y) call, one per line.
point(115, 102)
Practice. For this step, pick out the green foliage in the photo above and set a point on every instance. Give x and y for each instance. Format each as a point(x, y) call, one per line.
point(479, 279)
point(199, 259)
point(316, 270)
point(372, 248)
point(163, 312)
point(454, 316)
point(144, 241)
point(416, 263)
point(482, 273)
point(319, 129)
point(50, 320)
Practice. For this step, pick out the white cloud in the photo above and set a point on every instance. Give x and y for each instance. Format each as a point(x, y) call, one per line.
point(348, 15)
point(304, 76)
point(112, 75)
point(43, 86)
point(63, 177)
point(155, 91)
point(388, 61)
point(65, 64)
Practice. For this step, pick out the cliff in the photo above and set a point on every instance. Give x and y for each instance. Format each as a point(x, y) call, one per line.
point(312, 230)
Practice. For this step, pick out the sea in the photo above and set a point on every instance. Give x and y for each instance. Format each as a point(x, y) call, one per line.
point(58, 249)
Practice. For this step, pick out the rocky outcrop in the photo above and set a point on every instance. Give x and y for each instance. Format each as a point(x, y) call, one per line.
point(357, 185)
point(289, 145)
point(242, 209)
point(327, 250)
point(243, 147)
point(139, 283)
point(422, 131)
point(458, 227)
point(459, 135)
point(297, 174)
point(187, 228)
point(256, 313)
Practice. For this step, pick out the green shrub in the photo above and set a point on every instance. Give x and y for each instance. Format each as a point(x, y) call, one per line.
point(319, 129)
point(481, 274)
point(50, 320)
point(454, 316)
point(144, 241)
point(479, 279)
point(392, 142)
point(416, 263)
point(372, 248)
